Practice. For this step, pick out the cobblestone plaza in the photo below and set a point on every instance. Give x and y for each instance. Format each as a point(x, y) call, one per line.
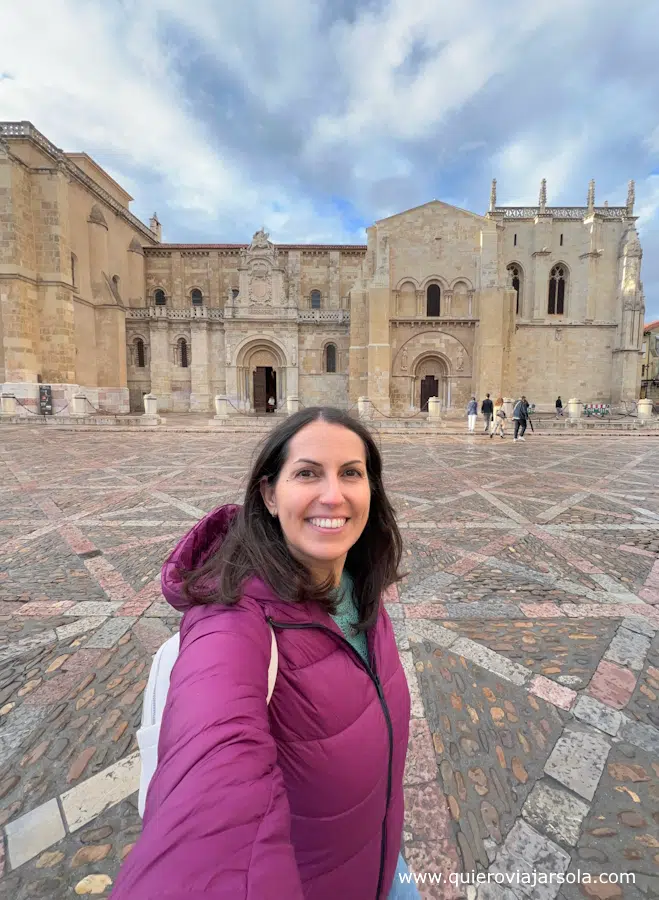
point(527, 623)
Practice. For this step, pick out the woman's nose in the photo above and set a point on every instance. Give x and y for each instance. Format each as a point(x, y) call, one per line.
point(331, 492)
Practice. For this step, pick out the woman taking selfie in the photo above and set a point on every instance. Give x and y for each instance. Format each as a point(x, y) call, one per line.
point(301, 797)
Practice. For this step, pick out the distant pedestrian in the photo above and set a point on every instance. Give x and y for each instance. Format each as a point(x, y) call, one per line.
point(487, 409)
point(271, 404)
point(472, 414)
point(559, 407)
point(499, 421)
point(520, 414)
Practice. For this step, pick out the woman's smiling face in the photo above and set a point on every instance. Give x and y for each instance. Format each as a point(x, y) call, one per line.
point(322, 496)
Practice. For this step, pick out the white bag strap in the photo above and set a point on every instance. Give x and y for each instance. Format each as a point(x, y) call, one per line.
point(274, 664)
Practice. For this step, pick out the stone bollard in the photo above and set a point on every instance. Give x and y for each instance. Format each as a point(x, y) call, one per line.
point(7, 405)
point(79, 405)
point(508, 407)
point(150, 405)
point(645, 409)
point(574, 408)
point(434, 409)
point(364, 408)
point(221, 407)
point(292, 405)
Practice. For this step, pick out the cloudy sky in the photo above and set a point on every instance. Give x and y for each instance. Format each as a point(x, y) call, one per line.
point(317, 117)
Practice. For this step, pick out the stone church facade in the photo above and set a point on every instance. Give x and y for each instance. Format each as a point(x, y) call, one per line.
point(440, 302)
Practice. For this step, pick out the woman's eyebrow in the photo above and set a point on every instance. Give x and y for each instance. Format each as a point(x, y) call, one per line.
point(312, 462)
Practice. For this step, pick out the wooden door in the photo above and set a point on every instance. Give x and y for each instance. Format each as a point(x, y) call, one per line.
point(260, 378)
point(429, 388)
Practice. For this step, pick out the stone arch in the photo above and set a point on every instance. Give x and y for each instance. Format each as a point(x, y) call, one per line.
point(452, 358)
point(430, 374)
point(253, 344)
point(407, 297)
point(434, 279)
point(404, 280)
point(260, 372)
point(460, 298)
point(461, 279)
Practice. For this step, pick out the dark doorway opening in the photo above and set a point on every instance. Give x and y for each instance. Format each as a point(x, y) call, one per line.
point(265, 389)
point(429, 388)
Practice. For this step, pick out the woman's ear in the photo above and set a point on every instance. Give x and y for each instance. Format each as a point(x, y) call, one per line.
point(268, 494)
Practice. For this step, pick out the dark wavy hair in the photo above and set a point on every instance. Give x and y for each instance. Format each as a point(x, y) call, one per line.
point(255, 544)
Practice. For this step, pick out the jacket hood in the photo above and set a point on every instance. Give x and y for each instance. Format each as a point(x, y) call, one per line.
point(193, 550)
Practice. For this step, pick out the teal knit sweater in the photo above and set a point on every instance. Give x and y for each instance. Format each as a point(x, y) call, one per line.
point(346, 614)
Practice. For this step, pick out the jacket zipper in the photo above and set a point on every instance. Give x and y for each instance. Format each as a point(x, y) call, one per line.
point(372, 674)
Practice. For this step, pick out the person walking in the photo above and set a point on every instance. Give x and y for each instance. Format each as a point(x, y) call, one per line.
point(519, 418)
point(301, 798)
point(472, 414)
point(559, 407)
point(487, 409)
point(499, 420)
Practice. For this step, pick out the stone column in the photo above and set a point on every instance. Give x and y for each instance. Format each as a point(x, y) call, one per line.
point(379, 350)
point(7, 405)
point(221, 407)
point(55, 288)
point(161, 382)
point(364, 408)
point(574, 408)
point(150, 405)
point(200, 397)
point(645, 409)
point(334, 276)
point(358, 355)
point(508, 407)
point(79, 405)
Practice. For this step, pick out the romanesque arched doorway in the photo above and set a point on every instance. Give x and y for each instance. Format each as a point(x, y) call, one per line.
point(261, 377)
point(431, 380)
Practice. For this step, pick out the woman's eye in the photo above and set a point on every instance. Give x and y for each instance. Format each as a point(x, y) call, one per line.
point(353, 472)
point(305, 473)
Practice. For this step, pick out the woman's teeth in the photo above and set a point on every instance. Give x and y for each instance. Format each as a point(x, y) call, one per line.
point(328, 523)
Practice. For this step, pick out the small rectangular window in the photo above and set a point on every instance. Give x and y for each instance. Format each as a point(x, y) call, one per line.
point(561, 240)
point(515, 241)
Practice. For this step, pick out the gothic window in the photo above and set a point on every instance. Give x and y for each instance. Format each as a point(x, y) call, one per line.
point(197, 297)
point(515, 273)
point(183, 353)
point(160, 298)
point(433, 295)
point(557, 286)
point(139, 353)
point(330, 358)
point(315, 299)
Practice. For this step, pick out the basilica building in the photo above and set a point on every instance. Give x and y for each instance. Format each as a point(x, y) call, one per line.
point(440, 302)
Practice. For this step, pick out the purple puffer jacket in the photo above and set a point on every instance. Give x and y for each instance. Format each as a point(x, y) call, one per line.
point(301, 799)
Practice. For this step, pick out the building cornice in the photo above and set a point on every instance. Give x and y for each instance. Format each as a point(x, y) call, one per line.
point(27, 132)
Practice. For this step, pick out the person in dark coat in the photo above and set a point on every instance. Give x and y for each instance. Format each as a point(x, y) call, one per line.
point(487, 409)
point(520, 417)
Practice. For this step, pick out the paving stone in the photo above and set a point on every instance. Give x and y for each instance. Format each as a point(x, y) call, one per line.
point(16, 728)
point(31, 834)
point(552, 692)
point(628, 648)
point(93, 608)
point(81, 626)
point(93, 853)
point(426, 630)
point(87, 800)
point(577, 761)
point(640, 625)
point(644, 736)
point(491, 661)
point(612, 684)
point(110, 632)
point(527, 852)
point(598, 714)
point(555, 812)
